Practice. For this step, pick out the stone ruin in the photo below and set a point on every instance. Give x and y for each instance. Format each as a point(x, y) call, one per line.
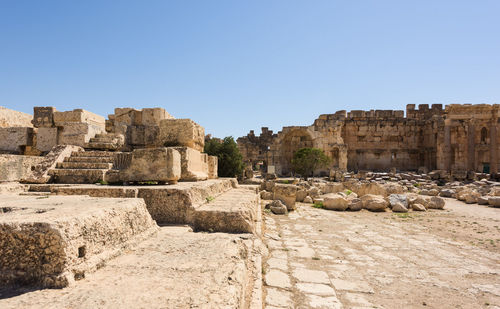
point(156, 171)
point(459, 140)
point(131, 146)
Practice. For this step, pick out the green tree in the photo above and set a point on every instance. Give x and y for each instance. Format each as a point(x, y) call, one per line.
point(230, 159)
point(306, 160)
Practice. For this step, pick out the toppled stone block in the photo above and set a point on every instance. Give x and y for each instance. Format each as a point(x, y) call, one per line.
point(374, 202)
point(494, 201)
point(54, 241)
point(335, 201)
point(286, 194)
point(153, 164)
point(182, 132)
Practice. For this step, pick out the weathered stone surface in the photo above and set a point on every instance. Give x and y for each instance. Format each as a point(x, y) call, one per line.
point(494, 201)
point(46, 138)
point(399, 207)
point(204, 270)
point(182, 132)
point(15, 139)
point(308, 200)
point(436, 203)
point(355, 204)
point(12, 118)
point(301, 195)
point(153, 164)
point(374, 202)
point(234, 211)
point(43, 116)
point(418, 207)
point(266, 195)
point(286, 194)
point(213, 165)
point(447, 193)
point(482, 200)
point(398, 198)
point(194, 165)
point(55, 240)
point(335, 201)
point(40, 174)
point(15, 167)
point(277, 207)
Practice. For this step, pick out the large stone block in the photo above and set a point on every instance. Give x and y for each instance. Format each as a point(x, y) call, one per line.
point(182, 132)
point(43, 116)
point(14, 138)
point(144, 135)
point(194, 165)
point(15, 167)
point(54, 241)
point(46, 138)
point(77, 133)
point(153, 164)
point(78, 115)
point(153, 116)
point(286, 194)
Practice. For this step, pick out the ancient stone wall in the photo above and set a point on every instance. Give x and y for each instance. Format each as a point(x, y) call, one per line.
point(457, 138)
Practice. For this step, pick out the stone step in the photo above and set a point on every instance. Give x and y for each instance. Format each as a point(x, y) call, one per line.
point(103, 145)
point(78, 176)
point(90, 159)
point(235, 211)
point(91, 153)
point(84, 165)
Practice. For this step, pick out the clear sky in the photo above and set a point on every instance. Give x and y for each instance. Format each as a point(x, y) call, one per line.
point(233, 66)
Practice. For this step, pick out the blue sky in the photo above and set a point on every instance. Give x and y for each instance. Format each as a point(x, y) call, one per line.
point(233, 66)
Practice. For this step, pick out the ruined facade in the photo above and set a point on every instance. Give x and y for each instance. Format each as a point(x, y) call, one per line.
point(457, 139)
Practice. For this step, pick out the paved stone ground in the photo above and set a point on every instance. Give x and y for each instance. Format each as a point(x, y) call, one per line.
point(326, 259)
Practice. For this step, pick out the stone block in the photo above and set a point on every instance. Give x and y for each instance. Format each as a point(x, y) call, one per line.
point(213, 164)
point(14, 139)
point(153, 116)
point(287, 194)
point(153, 164)
point(54, 241)
point(144, 135)
point(182, 132)
point(78, 115)
point(193, 164)
point(16, 167)
point(46, 138)
point(43, 116)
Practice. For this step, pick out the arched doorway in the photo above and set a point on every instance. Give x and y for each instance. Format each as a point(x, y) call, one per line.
point(293, 141)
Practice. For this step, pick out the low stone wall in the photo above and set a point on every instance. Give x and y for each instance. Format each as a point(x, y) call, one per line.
point(52, 241)
point(212, 205)
point(16, 167)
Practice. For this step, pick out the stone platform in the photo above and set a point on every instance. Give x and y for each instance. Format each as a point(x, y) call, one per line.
point(214, 205)
point(174, 269)
point(51, 241)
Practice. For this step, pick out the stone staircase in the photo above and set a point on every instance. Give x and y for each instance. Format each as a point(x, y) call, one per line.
point(83, 167)
point(106, 142)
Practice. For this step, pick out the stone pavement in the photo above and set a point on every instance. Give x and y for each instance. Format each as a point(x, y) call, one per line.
point(326, 259)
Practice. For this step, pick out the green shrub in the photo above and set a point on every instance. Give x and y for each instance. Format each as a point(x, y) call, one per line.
point(318, 205)
point(306, 160)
